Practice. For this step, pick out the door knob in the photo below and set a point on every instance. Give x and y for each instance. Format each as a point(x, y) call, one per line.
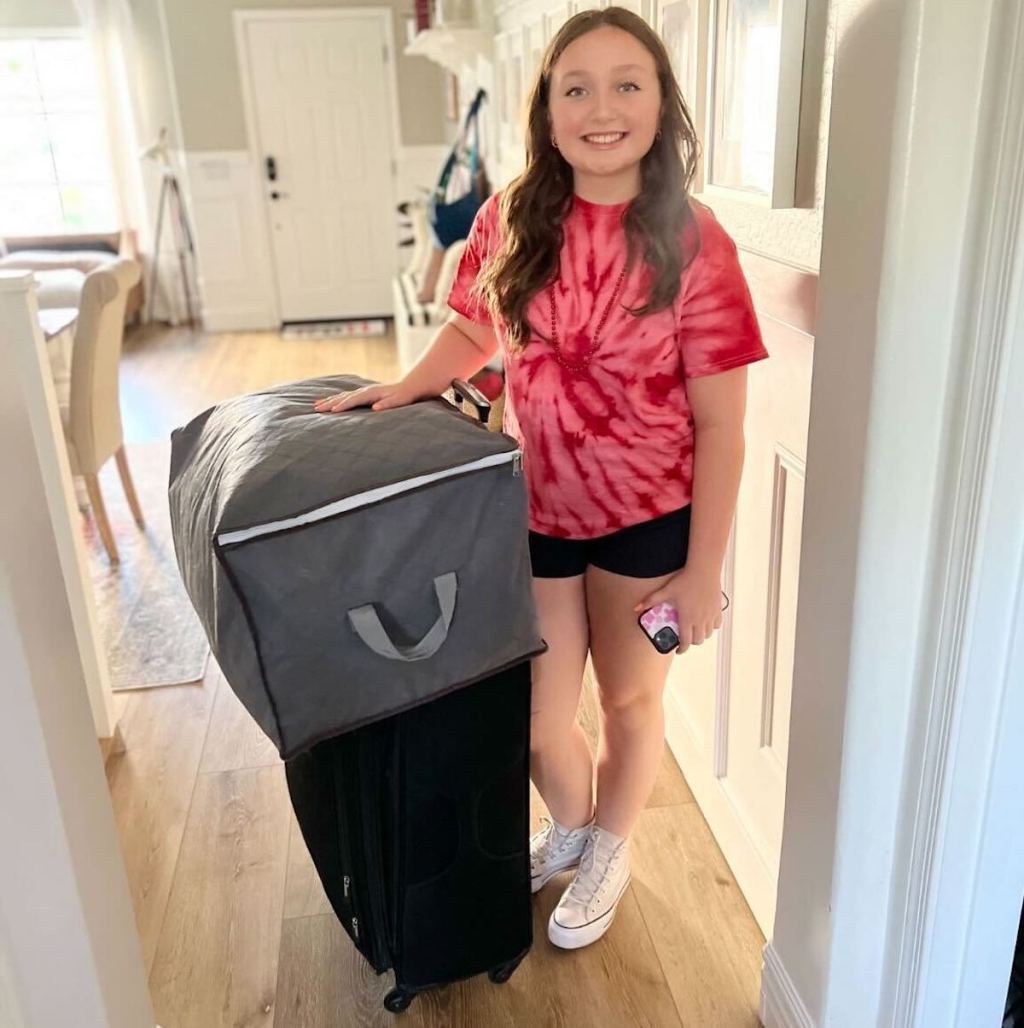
point(275, 195)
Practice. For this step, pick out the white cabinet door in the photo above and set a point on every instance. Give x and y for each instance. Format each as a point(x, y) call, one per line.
point(728, 702)
point(322, 114)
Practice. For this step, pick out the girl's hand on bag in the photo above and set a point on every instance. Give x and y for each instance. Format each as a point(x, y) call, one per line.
point(697, 598)
point(377, 397)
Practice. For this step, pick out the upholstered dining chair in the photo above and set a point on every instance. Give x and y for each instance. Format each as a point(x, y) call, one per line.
point(92, 416)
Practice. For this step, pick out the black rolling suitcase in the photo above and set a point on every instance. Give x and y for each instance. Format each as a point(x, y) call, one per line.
point(418, 827)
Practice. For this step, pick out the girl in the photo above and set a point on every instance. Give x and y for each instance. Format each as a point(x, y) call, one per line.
point(626, 327)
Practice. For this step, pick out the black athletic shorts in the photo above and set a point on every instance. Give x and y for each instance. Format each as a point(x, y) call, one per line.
point(648, 550)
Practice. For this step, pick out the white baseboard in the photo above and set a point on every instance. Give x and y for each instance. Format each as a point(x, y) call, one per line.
point(781, 1005)
point(240, 319)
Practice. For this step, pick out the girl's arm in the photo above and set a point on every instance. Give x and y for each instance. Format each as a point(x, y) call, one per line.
point(459, 350)
point(718, 403)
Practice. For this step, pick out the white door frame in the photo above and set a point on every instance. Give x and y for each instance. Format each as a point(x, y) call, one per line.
point(903, 853)
point(242, 18)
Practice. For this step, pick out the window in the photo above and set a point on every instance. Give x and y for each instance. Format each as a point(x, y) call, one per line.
point(55, 175)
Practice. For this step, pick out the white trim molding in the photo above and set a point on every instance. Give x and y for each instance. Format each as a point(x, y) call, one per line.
point(69, 948)
point(19, 316)
point(781, 1005)
point(965, 783)
point(904, 758)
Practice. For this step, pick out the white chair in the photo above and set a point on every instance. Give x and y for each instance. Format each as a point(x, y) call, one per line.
point(92, 417)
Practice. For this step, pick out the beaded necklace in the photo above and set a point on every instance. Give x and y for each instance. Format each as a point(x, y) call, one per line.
point(577, 366)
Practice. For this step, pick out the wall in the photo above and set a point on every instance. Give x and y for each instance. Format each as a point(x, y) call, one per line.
point(38, 14)
point(202, 41)
point(154, 90)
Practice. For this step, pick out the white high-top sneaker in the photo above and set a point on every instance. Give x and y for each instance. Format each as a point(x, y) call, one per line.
point(587, 907)
point(554, 849)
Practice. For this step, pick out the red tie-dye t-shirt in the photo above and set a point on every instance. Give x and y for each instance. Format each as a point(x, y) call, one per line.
point(611, 445)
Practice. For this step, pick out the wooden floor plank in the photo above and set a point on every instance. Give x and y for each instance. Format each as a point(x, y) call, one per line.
point(325, 983)
point(217, 960)
point(304, 895)
point(705, 936)
point(151, 783)
point(234, 740)
point(617, 981)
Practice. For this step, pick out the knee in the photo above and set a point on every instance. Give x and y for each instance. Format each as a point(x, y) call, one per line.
point(548, 729)
point(633, 707)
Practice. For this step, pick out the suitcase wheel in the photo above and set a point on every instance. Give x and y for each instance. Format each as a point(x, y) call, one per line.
point(398, 1000)
point(501, 974)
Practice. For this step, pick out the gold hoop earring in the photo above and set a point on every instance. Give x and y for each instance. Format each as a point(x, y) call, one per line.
point(553, 143)
point(657, 134)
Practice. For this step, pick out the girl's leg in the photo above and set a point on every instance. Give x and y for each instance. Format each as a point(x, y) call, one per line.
point(561, 764)
point(631, 679)
point(430, 276)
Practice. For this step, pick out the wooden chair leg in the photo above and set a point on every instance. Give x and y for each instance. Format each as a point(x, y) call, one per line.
point(99, 512)
point(129, 486)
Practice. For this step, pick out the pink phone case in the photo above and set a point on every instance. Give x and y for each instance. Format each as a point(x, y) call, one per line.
point(661, 625)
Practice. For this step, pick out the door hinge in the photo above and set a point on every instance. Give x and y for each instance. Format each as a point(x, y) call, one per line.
point(387, 53)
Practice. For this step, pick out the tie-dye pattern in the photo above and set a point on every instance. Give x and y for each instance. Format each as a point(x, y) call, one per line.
point(611, 445)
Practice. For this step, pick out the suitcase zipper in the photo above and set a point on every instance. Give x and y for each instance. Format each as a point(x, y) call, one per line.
point(376, 900)
point(371, 496)
point(354, 885)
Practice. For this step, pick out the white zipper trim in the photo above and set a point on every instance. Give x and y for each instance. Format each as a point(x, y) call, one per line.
point(351, 503)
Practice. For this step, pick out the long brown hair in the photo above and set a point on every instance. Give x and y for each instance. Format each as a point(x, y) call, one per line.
point(536, 203)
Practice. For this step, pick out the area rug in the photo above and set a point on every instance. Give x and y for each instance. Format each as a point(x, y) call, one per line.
point(150, 633)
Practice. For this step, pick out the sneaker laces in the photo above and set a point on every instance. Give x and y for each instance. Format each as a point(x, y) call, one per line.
point(591, 878)
point(543, 841)
point(550, 838)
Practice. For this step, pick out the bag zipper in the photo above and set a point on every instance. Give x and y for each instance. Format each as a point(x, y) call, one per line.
point(371, 496)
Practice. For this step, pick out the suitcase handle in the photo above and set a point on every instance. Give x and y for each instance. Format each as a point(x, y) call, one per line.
point(368, 627)
point(469, 393)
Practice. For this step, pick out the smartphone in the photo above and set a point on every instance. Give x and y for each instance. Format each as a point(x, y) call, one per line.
point(661, 625)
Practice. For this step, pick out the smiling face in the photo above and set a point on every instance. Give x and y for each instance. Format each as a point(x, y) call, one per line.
point(605, 105)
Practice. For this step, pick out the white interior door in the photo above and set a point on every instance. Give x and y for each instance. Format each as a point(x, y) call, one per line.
point(322, 116)
point(728, 701)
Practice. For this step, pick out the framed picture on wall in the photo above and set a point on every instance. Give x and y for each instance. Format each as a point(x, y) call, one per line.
point(501, 76)
point(679, 30)
point(555, 19)
point(682, 25)
point(755, 58)
point(451, 96)
point(533, 49)
point(516, 87)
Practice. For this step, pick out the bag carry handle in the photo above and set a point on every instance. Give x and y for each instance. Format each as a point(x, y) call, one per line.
point(366, 622)
point(474, 154)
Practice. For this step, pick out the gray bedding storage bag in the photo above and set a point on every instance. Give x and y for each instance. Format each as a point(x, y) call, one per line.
point(347, 567)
